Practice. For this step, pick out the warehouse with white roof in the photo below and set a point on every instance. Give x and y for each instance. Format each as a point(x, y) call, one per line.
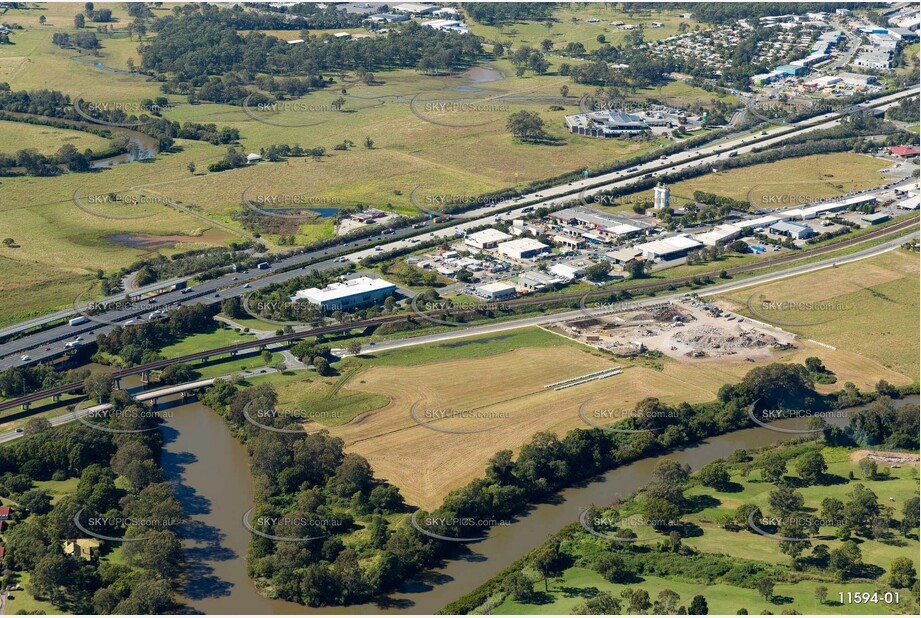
point(486, 239)
point(719, 235)
point(349, 294)
point(522, 248)
point(669, 248)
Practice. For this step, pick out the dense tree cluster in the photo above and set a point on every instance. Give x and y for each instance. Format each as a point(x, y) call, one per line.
point(119, 482)
point(315, 489)
point(197, 43)
point(906, 111)
point(17, 381)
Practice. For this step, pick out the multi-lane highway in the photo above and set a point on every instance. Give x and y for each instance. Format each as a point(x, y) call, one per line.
point(49, 343)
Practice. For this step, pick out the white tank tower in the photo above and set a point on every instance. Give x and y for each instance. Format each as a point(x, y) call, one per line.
point(662, 194)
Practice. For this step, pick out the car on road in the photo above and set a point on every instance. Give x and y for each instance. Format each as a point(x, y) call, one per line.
point(47, 348)
point(246, 285)
point(25, 357)
point(378, 248)
point(18, 430)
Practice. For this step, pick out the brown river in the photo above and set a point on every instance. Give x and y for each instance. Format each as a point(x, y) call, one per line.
point(210, 470)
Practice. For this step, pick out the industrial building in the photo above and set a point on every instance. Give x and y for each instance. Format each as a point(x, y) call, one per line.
point(486, 239)
point(496, 291)
point(789, 69)
point(535, 281)
point(876, 218)
point(669, 248)
point(567, 272)
point(603, 223)
point(522, 248)
point(606, 124)
point(348, 294)
point(857, 79)
point(792, 230)
point(720, 235)
point(811, 212)
point(760, 222)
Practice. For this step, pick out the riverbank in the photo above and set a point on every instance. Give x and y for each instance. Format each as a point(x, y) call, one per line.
point(208, 466)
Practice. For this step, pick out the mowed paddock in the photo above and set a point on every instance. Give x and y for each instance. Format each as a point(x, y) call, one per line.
point(504, 402)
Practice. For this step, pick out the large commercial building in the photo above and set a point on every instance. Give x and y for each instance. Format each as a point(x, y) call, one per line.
point(603, 223)
point(720, 235)
point(348, 294)
point(606, 124)
point(792, 230)
point(522, 248)
point(669, 248)
point(486, 239)
point(496, 290)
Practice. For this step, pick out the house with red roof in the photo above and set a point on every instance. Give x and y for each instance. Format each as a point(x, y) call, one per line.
point(4, 513)
point(904, 152)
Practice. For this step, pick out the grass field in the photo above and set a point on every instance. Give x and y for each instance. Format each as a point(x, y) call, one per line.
point(578, 584)
point(46, 140)
point(570, 25)
point(876, 297)
point(901, 485)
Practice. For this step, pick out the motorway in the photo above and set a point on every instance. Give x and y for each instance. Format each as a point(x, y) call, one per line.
point(540, 320)
point(143, 396)
point(48, 344)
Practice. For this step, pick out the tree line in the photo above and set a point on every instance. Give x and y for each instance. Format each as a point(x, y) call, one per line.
point(204, 41)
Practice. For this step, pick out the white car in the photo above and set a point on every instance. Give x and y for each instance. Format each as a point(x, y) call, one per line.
point(246, 285)
point(25, 357)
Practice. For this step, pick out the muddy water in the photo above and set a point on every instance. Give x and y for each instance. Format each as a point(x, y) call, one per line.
point(154, 243)
point(209, 467)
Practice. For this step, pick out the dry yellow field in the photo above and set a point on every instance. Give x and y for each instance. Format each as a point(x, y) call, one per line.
point(503, 396)
point(427, 464)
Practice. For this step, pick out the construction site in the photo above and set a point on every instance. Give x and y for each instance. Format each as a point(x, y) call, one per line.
point(690, 329)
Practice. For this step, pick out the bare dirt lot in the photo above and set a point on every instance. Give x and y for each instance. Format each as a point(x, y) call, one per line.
point(681, 331)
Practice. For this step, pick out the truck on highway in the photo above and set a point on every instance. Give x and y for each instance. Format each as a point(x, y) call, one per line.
point(82, 319)
point(734, 153)
point(262, 265)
